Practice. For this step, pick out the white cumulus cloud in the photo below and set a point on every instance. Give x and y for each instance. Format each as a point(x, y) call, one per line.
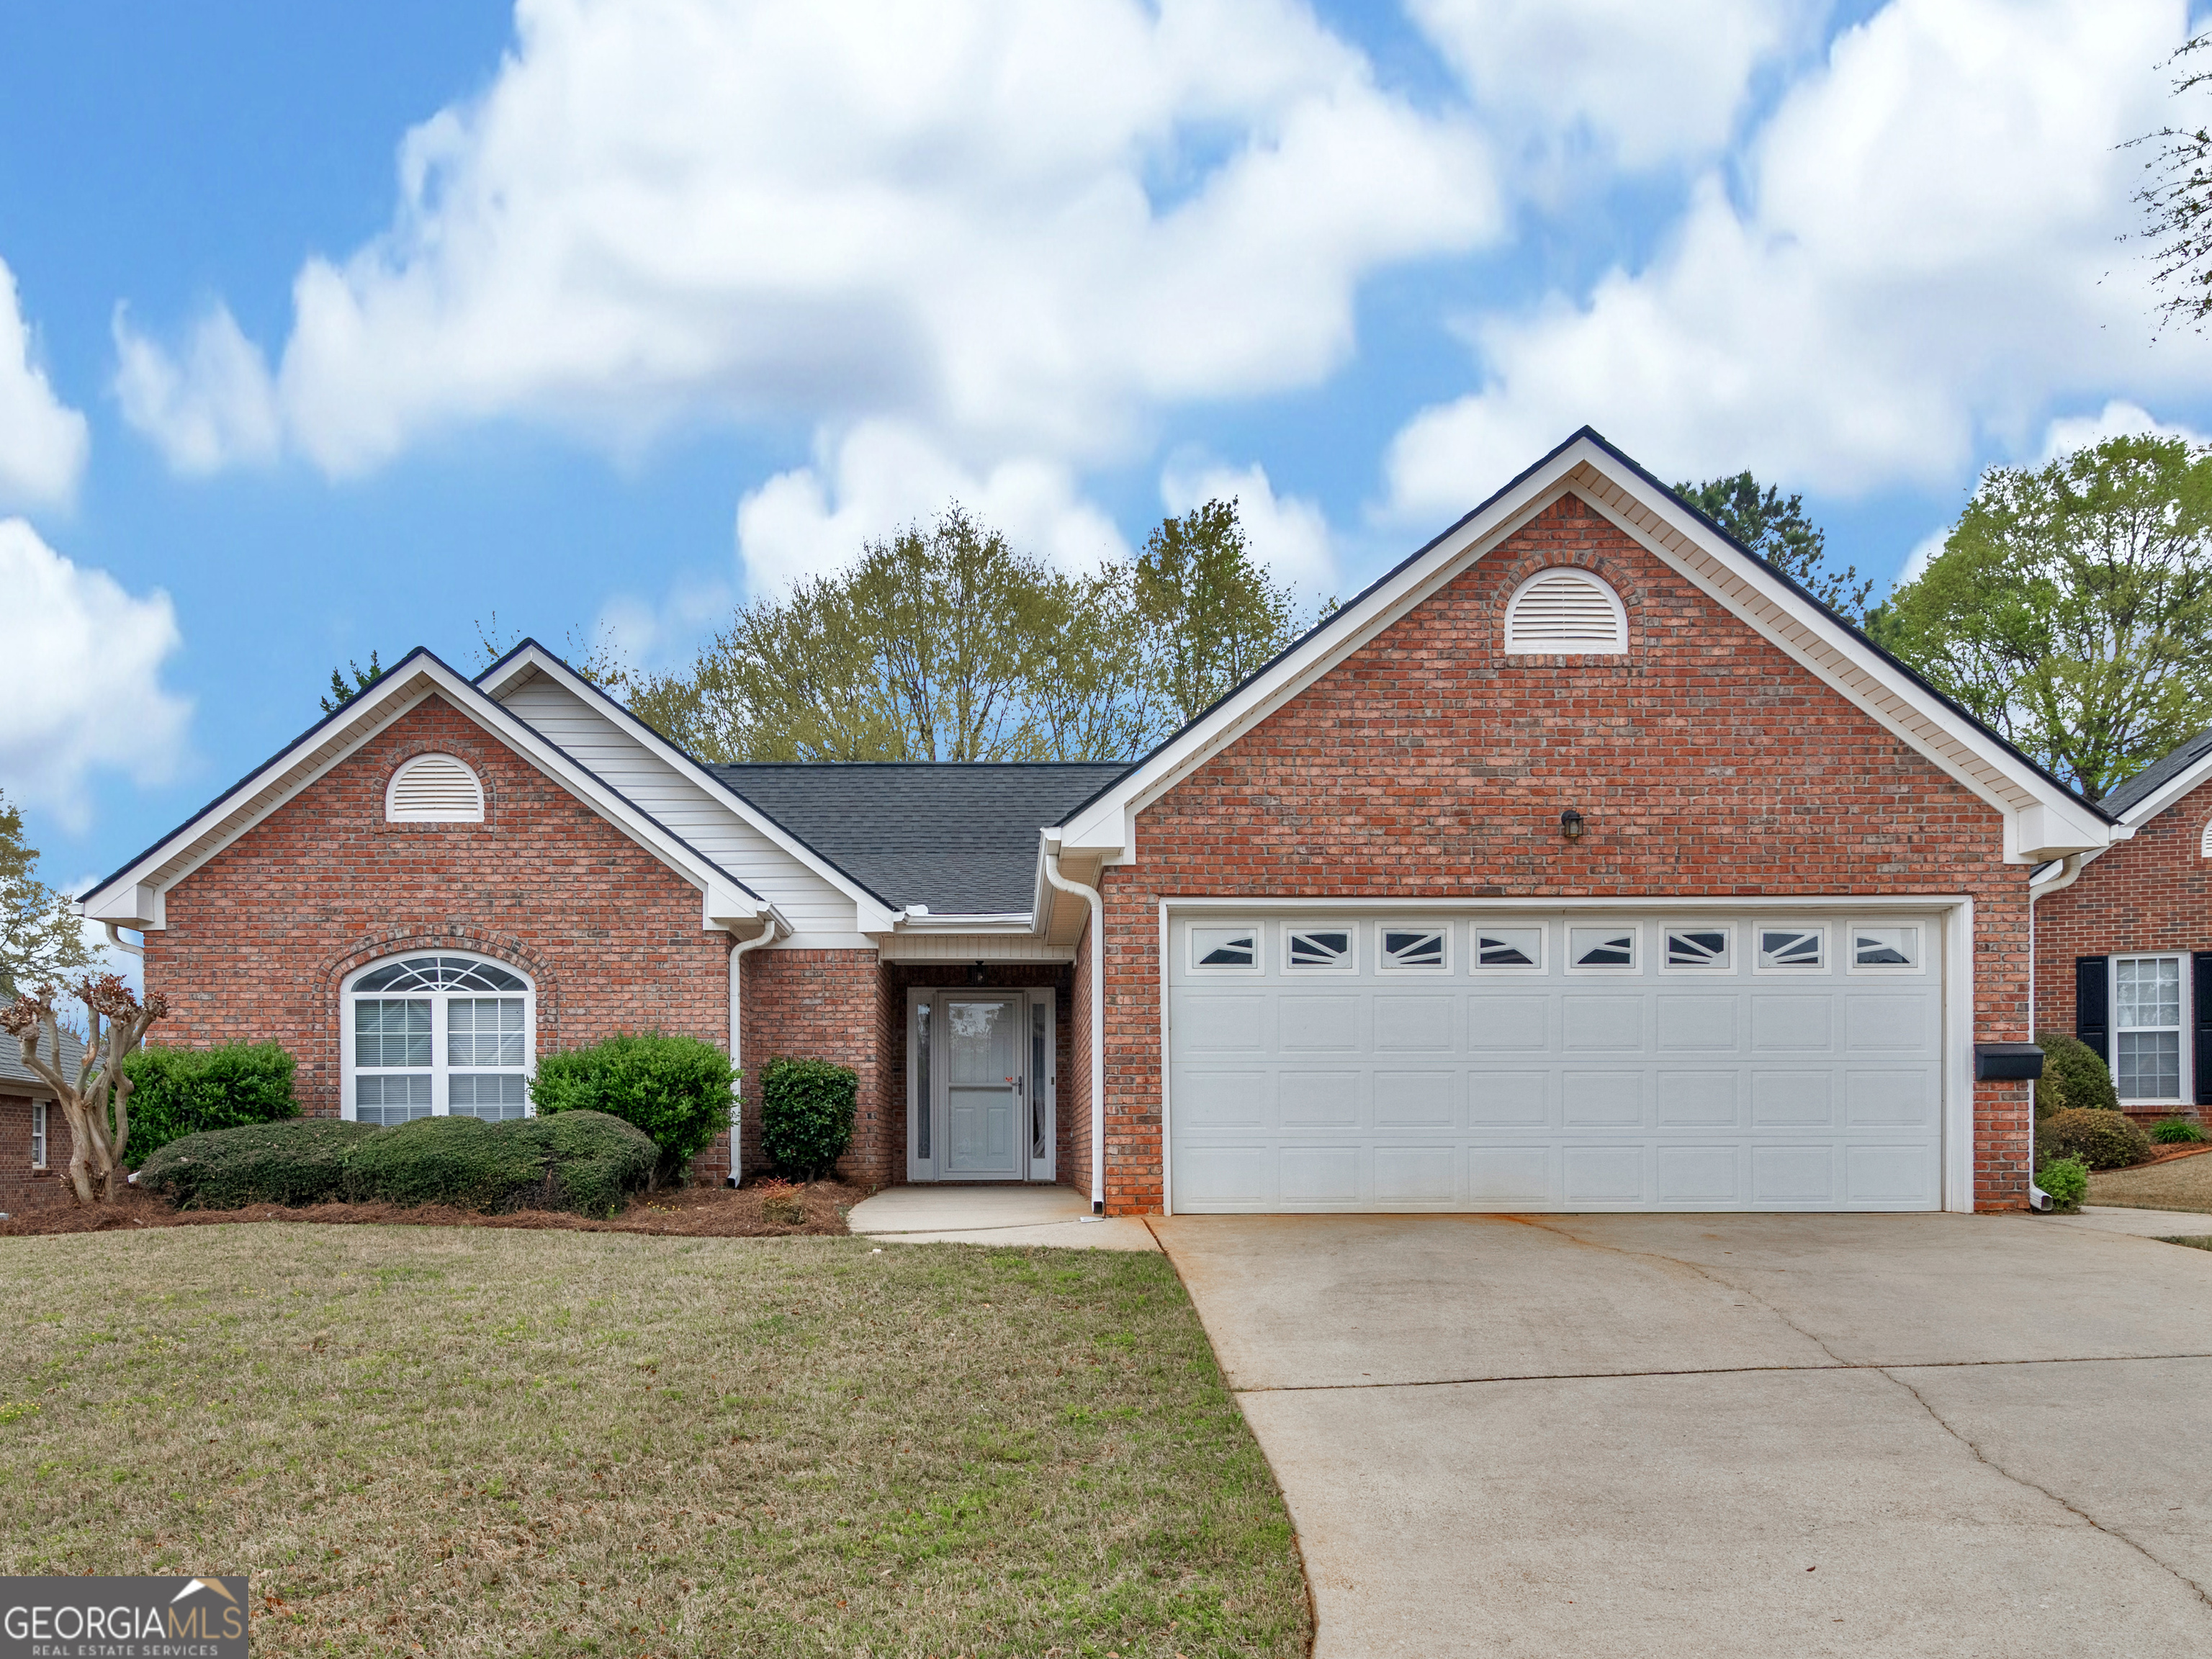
point(1921, 257)
point(79, 678)
point(216, 406)
point(2117, 419)
point(1287, 533)
point(1019, 226)
point(43, 442)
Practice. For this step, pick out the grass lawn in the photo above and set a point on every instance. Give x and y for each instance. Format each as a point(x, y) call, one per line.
point(2184, 1184)
point(472, 1441)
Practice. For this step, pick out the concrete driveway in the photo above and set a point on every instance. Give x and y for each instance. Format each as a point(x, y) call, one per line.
point(1755, 1435)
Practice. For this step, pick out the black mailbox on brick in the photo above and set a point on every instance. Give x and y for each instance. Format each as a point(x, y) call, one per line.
point(1998, 1062)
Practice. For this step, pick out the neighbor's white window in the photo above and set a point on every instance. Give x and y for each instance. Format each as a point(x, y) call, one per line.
point(1565, 610)
point(37, 1135)
point(2147, 1027)
point(427, 1036)
point(434, 789)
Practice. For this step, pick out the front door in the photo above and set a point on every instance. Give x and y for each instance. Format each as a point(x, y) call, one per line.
point(979, 1085)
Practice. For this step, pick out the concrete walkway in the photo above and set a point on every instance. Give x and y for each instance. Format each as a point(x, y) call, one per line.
point(2142, 1224)
point(1004, 1214)
point(1727, 1435)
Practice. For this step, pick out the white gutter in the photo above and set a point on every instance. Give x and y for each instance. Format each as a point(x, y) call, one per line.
point(1090, 896)
point(115, 938)
point(2070, 872)
point(737, 1098)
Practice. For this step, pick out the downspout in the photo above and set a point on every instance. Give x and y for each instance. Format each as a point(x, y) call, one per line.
point(766, 935)
point(1091, 897)
point(2070, 868)
point(115, 938)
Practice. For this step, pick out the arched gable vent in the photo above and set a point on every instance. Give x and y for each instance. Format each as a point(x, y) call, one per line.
point(434, 789)
point(2205, 846)
point(1565, 610)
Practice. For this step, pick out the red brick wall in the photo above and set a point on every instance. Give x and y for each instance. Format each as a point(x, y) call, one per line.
point(261, 937)
point(2152, 893)
point(20, 1186)
point(1430, 763)
point(823, 1004)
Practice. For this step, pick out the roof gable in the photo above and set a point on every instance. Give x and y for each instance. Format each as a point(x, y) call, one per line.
point(2041, 818)
point(2164, 782)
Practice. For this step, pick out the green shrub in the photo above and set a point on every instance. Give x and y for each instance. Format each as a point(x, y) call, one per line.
point(2102, 1140)
point(583, 1161)
point(184, 1092)
point(300, 1161)
point(2074, 1080)
point(2067, 1181)
point(2175, 1132)
point(806, 1113)
point(676, 1089)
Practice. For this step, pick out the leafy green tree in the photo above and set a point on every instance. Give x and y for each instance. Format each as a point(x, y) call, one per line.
point(1214, 615)
point(2176, 200)
point(341, 693)
point(1777, 530)
point(2071, 607)
point(41, 937)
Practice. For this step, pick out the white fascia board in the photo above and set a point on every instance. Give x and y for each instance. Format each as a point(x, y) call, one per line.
point(2040, 819)
point(874, 916)
point(333, 742)
point(986, 921)
point(2167, 794)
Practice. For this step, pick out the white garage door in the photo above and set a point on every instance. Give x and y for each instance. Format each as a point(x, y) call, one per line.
point(1554, 1060)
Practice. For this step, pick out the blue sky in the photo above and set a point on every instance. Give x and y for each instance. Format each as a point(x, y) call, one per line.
point(344, 328)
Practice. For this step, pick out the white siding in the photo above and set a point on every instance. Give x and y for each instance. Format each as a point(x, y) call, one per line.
point(823, 917)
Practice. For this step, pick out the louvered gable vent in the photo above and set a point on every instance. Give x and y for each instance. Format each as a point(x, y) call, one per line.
point(434, 789)
point(1565, 612)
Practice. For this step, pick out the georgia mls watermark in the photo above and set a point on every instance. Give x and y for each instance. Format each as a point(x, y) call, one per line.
point(123, 1618)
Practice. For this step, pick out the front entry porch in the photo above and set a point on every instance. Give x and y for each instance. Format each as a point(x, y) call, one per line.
point(980, 1052)
point(996, 1214)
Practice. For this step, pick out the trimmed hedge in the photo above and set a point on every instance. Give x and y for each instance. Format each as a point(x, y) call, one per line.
point(301, 1161)
point(586, 1161)
point(2102, 1140)
point(2074, 1080)
point(176, 1092)
point(807, 1108)
point(676, 1089)
point(583, 1161)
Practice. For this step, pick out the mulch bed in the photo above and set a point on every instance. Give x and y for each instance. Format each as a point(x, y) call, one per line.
point(2167, 1154)
point(690, 1211)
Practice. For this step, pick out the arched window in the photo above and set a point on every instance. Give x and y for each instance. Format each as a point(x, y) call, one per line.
point(434, 789)
point(426, 1035)
point(1565, 610)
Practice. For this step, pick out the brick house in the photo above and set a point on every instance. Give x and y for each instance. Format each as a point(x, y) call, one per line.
point(1580, 862)
point(2124, 939)
point(35, 1137)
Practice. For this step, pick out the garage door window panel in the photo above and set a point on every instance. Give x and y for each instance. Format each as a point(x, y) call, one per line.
point(2146, 1017)
point(1791, 949)
point(1508, 950)
point(1698, 949)
point(1414, 950)
point(1612, 950)
point(1885, 948)
point(1224, 949)
point(1322, 950)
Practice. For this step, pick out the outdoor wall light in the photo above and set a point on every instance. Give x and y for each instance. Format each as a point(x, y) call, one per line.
point(1571, 825)
point(975, 973)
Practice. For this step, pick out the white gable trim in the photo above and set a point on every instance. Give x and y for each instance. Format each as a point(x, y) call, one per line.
point(2169, 793)
point(2041, 820)
point(530, 657)
point(134, 896)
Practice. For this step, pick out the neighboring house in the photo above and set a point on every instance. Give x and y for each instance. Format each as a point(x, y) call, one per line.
point(1582, 862)
point(2124, 939)
point(34, 1139)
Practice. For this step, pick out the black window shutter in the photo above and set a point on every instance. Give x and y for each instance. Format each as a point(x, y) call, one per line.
point(2093, 1002)
point(2200, 987)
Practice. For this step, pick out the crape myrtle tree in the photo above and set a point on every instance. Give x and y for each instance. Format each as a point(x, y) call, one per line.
point(2071, 607)
point(946, 643)
point(95, 1101)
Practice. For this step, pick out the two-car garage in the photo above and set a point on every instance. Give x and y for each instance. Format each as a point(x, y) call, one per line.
point(1350, 1058)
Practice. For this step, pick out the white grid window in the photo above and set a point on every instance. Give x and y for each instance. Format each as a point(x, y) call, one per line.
point(37, 1135)
point(430, 1035)
point(2147, 1027)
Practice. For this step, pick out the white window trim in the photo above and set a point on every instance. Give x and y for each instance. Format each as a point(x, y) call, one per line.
point(1634, 966)
point(1793, 969)
point(2182, 1101)
point(393, 814)
point(1729, 964)
point(1584, 578)
point(1385, 964)
point(1476, 965)
point(1257, 965)
point(38, 1126)
point(441, 1105)
point(1350, 964)
point(1918, 965)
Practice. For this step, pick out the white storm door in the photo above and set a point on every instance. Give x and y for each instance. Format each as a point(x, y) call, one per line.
point(985, 1085)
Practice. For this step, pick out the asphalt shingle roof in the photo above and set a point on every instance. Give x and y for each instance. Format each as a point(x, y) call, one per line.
point(14, 1075)
point(2146, 782)
point(960, 839)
